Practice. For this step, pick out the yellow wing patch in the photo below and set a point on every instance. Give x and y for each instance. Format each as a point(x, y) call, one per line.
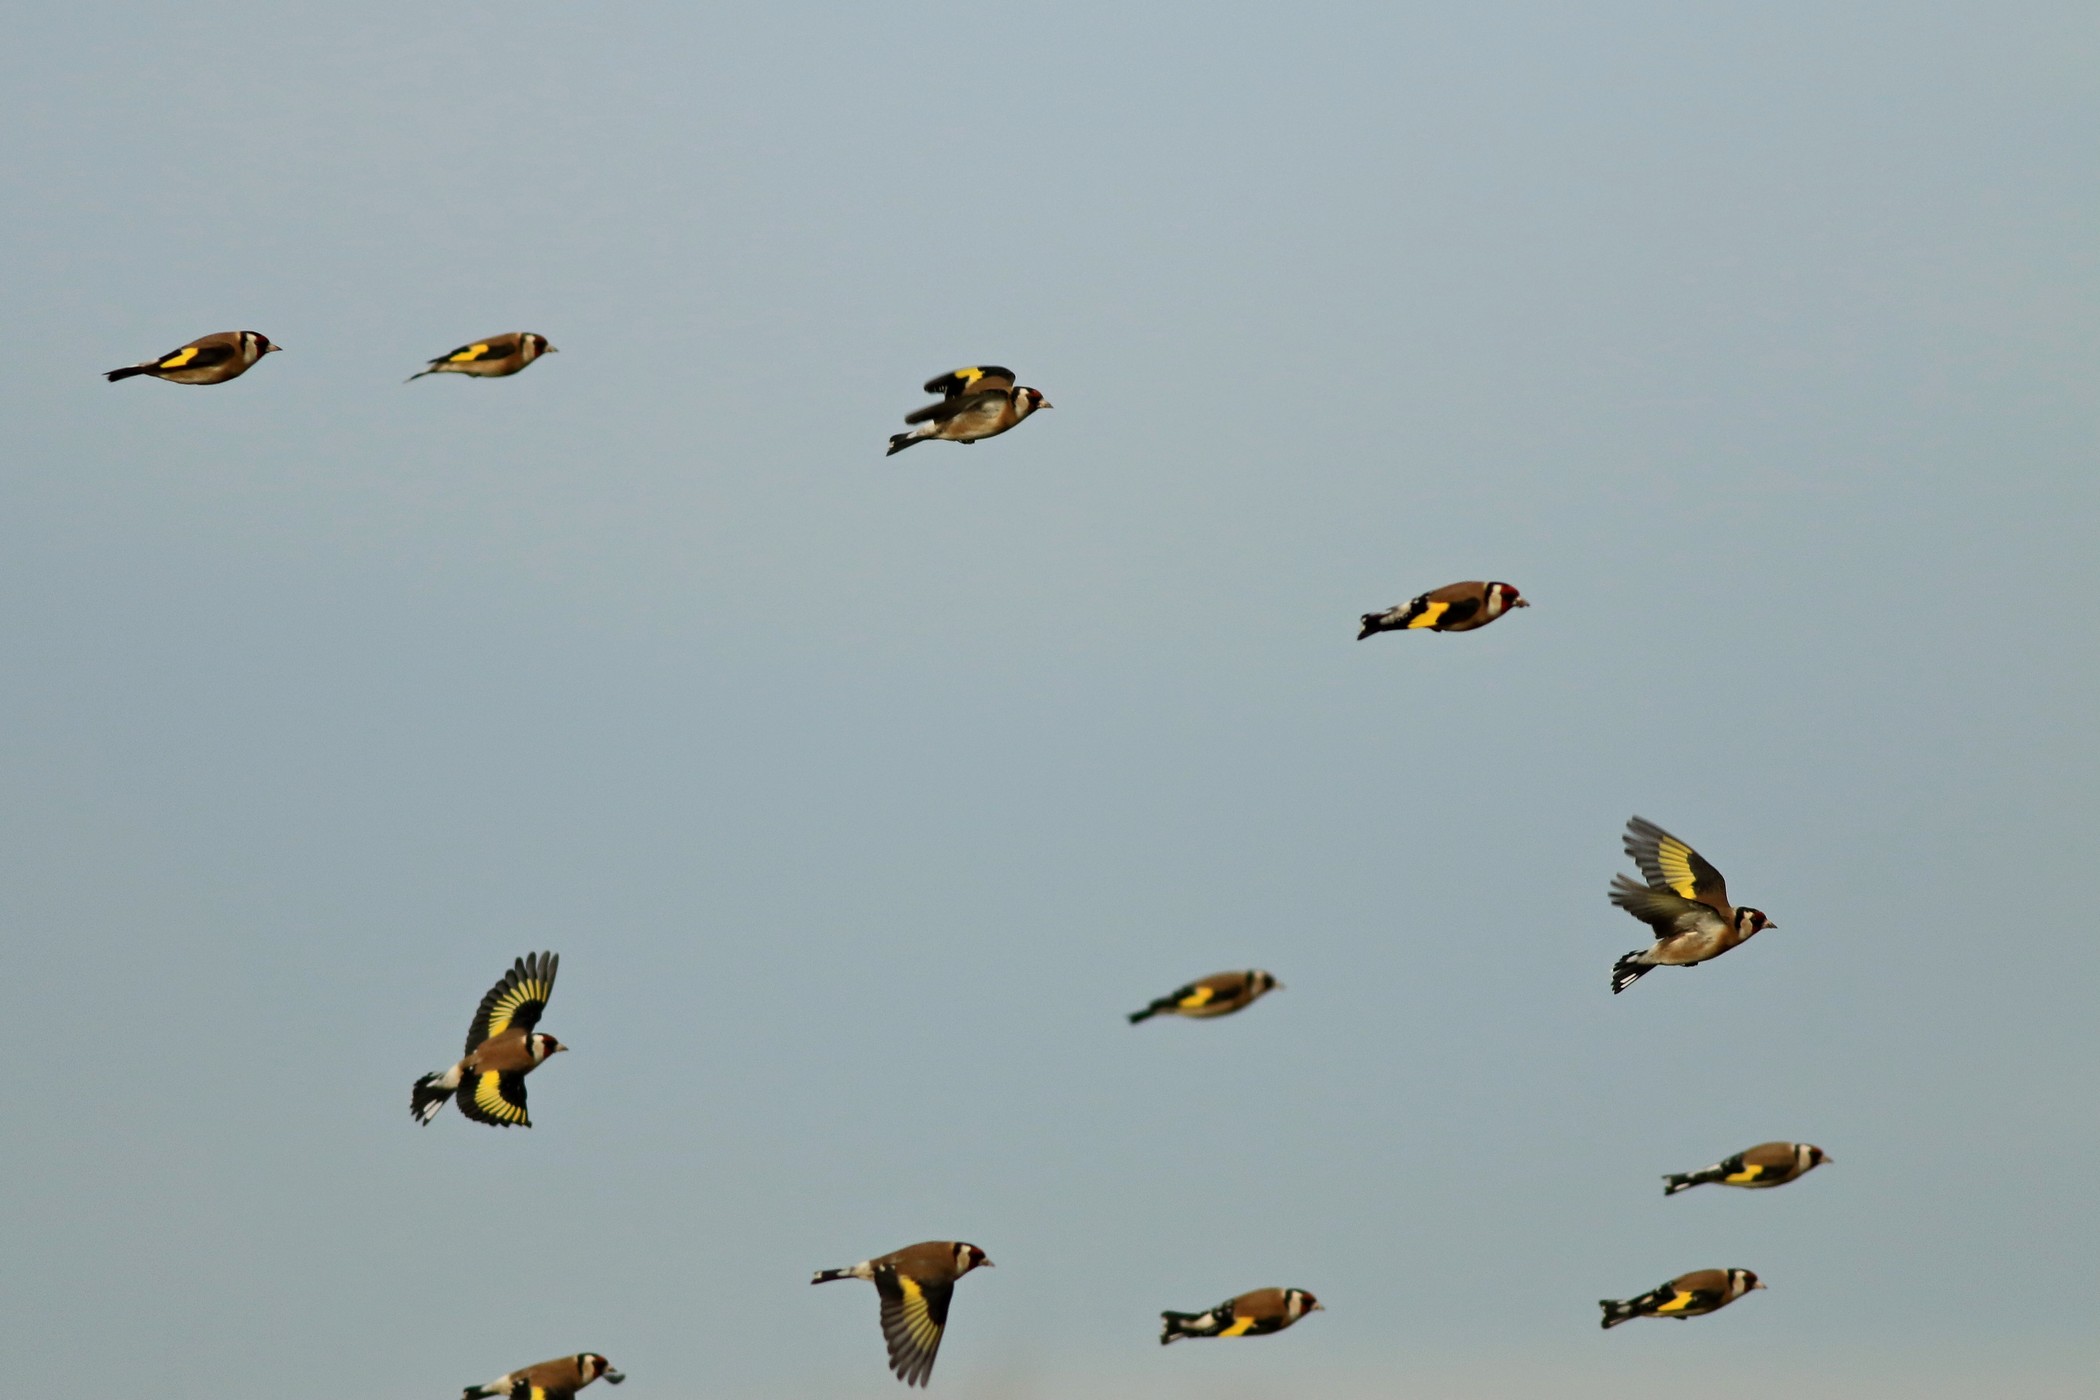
point(919, 1325)
point(488, 1097)
point(1239, 1328)
point(1675, 860)
point(1747, 1174)
point(470, 353)
point(179, 358)
point(1678, 1302)
point(529, 989)
point(1429, 616)
point(1202, 996)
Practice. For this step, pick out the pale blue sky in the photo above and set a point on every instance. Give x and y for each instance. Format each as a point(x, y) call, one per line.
point(1754, 342)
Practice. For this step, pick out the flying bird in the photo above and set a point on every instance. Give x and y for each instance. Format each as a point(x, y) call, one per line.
point(1219, 994)
point(1255, 1314)
point(914, 1284)
point(558, 1379)
point(977, 402)
point(210, 359)
point(1685, 901)
point(502, 1048)
point(1690, 1295)
point(1456, 607)
point(493, 358)
point(1765, 1165)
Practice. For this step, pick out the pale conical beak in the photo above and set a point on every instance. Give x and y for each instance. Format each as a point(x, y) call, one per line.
point(613, 1377)
point(1755, 1286)
point(1319, 1307)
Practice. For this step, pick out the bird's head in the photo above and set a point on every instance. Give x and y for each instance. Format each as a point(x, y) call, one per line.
point(1504, 596)
point(1750, 921)
point(1745, 1280)
point(1264, 981)
point(261, 343)
point(1298, 1302)
point(1027, 401)
point(538, 343)
point(593, 1366)
point(544, 1045)
point(968, 1257)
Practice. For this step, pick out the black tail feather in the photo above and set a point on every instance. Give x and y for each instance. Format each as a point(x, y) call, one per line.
point(1627, 971)
point(129, 370)
point(900, 441)
point(428, 1097)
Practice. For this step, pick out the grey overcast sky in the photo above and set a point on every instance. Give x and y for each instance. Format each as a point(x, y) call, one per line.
point(1755, 342)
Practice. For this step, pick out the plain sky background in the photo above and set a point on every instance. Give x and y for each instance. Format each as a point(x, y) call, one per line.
point(1754, 342)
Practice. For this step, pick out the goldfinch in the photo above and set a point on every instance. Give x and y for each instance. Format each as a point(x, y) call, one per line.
point(1767, 1164)
point(1685, 901)
point(1690, 1295)
point(977, 402)
point(493, 358)
point(211, 359)
point(502, 1048)
point(558, 1379)
point(1219, 994)
point(914, 1284)
point(1255, 1314)
point(1456, 607)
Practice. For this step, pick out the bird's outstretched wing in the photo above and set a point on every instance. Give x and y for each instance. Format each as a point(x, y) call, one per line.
point(1669, 863)
point(913, 1316)
point(490, 1097)
point(517, 999)
point(970, 379)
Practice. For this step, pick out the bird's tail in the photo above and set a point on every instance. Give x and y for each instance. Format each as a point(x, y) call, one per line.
point(1174, 1326)
point(832, 1275)
point(1370, 625)
point(125, 373)
point(419, 374)
point(481, 1392)
point(900, 441)
point(1147, 1014)
point(430, 1094)
point(1685, 1181)
point(1627, 971)
point(1616, 1313)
